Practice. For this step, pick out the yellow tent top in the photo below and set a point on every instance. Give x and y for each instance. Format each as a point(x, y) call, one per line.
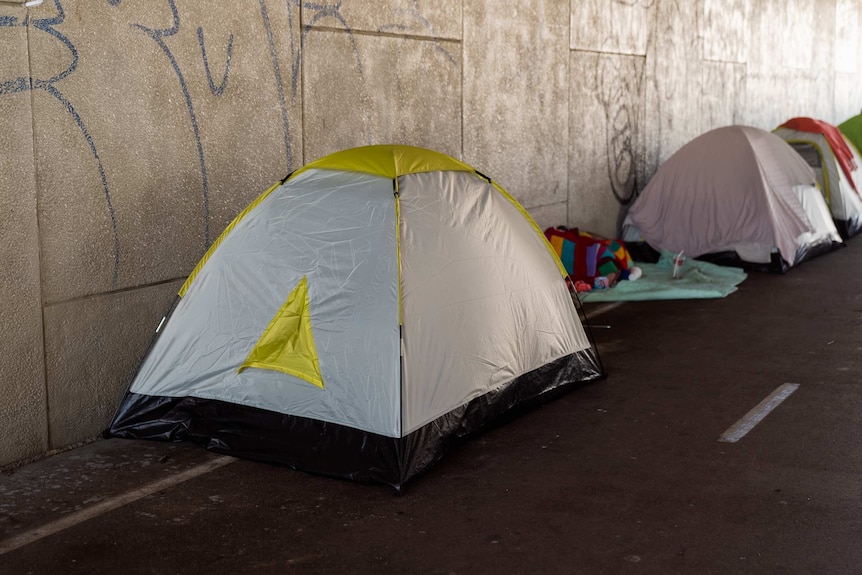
point(388, 160)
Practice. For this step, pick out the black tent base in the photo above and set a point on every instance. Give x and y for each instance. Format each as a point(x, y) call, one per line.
point(337, 450)
point(776, 264)
point(848, 228)
point(643, 252)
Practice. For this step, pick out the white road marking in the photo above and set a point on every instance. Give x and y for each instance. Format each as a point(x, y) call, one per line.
point(599, 310)
point(738, 430)
point(109, 505)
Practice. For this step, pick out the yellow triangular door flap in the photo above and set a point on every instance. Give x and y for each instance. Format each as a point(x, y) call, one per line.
point(287, 343)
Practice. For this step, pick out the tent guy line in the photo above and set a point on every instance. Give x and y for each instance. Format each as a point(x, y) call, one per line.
point(739, 429)
point(107, 505)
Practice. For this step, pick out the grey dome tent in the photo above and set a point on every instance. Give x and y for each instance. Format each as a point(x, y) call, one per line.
point(738, 195)
point(359, 317)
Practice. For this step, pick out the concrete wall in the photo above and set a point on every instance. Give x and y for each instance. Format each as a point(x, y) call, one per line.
point(131, 133)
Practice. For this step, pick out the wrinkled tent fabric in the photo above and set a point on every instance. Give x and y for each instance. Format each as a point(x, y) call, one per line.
point(735, 188)
point(360, 316)
point(836, 165)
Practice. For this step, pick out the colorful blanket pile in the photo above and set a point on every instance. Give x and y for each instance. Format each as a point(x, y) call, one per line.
point(588, 257)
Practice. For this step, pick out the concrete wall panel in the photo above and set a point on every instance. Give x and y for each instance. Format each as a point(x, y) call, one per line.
point(798, 33)
point(820, 101)
point(432, 19)
point(725, 30)
point(89, 124)
point(760, 109)
point(791, 65)
point(723, 95)
point(409, 92)
point(606, 116)
point(847, 14)
point(847, 92)
point(137, 177)
point(516, 96)
point(785, 82)
point(848, 96)
point(23, 407)
point(767, 33)
point(550, 215)
point(673, 85)
point(263, 76)
point(611, 26)
point(764, 68)
point(92, 347)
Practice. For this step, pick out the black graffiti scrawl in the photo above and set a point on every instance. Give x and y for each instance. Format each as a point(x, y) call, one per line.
point(50, 86)
point(619, 85)
point(215, 59)
point(159, 36)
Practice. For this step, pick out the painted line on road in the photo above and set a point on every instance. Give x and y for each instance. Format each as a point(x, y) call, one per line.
point(738, 430)
point(110, 504)
point(599, 310)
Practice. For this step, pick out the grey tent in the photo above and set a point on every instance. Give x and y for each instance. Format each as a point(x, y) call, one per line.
point(734, 194)
point(359, 317)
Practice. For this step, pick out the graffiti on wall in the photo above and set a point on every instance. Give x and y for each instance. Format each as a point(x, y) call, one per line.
point(49, 86)
point(159, 37)
point(611, 26)
point(619, 81)
point(414, 17)
point(619, 36)
point(215, 90)
point(218, 78)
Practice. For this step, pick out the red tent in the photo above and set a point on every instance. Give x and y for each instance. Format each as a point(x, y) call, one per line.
point(834, 137)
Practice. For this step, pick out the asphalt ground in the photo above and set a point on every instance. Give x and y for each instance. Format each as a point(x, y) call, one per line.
point(626, 475)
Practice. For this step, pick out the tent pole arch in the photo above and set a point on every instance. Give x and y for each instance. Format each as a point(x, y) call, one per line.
point(827, 192)
point(227, 232)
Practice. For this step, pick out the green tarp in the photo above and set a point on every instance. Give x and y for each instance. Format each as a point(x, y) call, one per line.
point(700, 280)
